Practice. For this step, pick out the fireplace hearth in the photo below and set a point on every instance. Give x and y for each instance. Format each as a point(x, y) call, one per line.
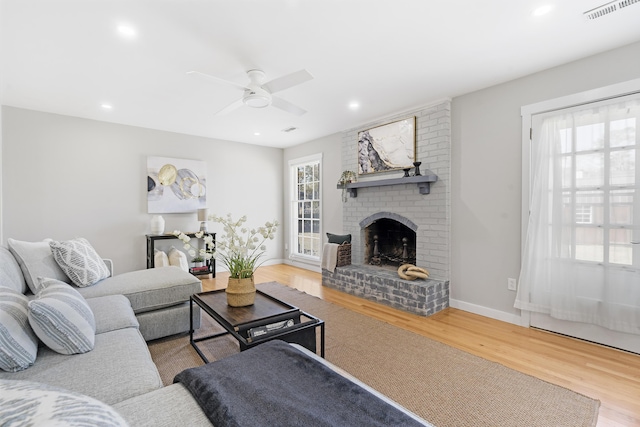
point(382, 285)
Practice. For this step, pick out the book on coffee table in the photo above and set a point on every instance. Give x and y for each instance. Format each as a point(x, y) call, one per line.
point(263, 330)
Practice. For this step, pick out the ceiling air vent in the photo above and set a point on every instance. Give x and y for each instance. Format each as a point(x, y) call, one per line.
point(289, 129)
point(608, 8)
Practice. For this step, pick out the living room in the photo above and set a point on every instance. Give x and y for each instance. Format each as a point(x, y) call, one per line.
point(66, 176)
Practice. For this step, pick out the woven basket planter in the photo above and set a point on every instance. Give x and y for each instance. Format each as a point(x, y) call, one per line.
point(241, 292)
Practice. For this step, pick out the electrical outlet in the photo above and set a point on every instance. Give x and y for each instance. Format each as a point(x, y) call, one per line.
point(512, 284)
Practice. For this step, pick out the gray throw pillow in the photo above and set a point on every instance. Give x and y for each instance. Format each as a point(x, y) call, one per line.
point(18, 343)
point(62, 319)
point(339, 238)
point(80, 262)
point(28, 403)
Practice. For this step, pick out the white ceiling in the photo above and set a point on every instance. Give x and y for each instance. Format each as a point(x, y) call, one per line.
point(66, 57)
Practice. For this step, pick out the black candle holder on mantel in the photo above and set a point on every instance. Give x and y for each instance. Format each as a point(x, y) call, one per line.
point(417, 165)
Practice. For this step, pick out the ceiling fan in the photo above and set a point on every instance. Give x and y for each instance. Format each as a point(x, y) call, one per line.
point(258, 94)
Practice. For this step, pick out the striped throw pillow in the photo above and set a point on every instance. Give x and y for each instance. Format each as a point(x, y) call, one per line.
point(28, 403)
point(18, 343)
point(61, 318)
point(79, 261)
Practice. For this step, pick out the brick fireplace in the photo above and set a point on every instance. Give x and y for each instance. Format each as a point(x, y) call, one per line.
point(402, 211)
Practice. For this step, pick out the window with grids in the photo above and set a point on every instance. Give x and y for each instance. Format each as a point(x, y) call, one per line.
point(597, 159)
point(306, 210)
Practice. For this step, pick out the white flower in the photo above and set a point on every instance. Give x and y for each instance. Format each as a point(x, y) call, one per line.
point(238, 248)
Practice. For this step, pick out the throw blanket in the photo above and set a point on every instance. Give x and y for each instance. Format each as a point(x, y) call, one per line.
point(329, 256)
point(274, 384)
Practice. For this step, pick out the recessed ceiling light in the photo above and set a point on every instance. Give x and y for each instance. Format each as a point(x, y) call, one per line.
point(256, 133)
point(354, 105)
point(542, 10)
point(106, 106)
point(127, 31)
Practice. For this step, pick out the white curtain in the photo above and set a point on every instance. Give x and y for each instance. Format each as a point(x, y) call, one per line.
point(580, 261)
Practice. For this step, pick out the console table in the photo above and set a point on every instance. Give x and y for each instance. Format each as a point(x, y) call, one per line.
point(152, 238)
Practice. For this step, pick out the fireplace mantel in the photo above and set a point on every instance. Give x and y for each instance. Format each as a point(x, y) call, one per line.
point(423, 181)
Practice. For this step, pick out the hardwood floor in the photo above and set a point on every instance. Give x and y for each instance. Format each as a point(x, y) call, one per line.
point(609, 375)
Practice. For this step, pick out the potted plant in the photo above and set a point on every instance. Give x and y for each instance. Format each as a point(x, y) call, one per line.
point(346, 177)
point(198, 261)
point(239, 249)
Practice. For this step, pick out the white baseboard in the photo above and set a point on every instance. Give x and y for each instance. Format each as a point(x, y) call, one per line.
point(489, 312)
point(273, 262)
point(310, 267)
point(220, 267)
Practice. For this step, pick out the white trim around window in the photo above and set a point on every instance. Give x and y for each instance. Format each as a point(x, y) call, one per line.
point(314, 253)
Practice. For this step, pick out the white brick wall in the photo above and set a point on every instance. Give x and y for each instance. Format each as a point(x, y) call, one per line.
point(431, 212)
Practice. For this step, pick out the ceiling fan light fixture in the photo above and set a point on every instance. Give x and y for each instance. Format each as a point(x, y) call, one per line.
point(256, 100)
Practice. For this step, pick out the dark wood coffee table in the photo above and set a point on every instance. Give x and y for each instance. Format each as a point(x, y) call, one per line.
point(267, 319)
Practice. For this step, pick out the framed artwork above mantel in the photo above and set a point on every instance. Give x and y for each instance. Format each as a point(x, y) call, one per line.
point(387, 147)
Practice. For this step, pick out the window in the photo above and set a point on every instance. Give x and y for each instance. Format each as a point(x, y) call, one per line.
point(306, 208)
point(584, 214)
point(596, 159)
point(581, 246)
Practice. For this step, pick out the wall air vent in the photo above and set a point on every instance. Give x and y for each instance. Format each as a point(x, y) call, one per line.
point(608, 8)
point(289, 129)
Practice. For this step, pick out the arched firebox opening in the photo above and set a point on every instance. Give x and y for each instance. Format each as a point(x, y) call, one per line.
point(390, 240)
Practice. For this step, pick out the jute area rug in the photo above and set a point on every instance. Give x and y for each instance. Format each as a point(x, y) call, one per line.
point(443, 385)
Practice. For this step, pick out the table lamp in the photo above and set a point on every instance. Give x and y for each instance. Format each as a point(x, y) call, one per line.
point(203, 217)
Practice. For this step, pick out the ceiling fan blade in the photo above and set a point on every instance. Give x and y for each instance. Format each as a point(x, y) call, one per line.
point(229, 108)
point(287, 106)
point(217, 79)
point(285, 82)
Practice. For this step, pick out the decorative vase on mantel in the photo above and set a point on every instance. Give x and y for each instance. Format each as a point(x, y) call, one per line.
point(241, 292)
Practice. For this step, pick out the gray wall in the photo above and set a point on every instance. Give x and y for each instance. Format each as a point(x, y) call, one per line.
point(66, 177)
point(331, 216)
point(486, 175)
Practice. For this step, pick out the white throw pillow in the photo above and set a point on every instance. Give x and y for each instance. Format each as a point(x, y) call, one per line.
point(36, 260)
point(62, 319)
point(18, 343)
point(79, 261)
point(160, 259)
point(178, 258)
point(27, 403)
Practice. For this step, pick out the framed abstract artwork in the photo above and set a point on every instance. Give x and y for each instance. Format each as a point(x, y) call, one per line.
point(176, 185)
point(387, 147)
